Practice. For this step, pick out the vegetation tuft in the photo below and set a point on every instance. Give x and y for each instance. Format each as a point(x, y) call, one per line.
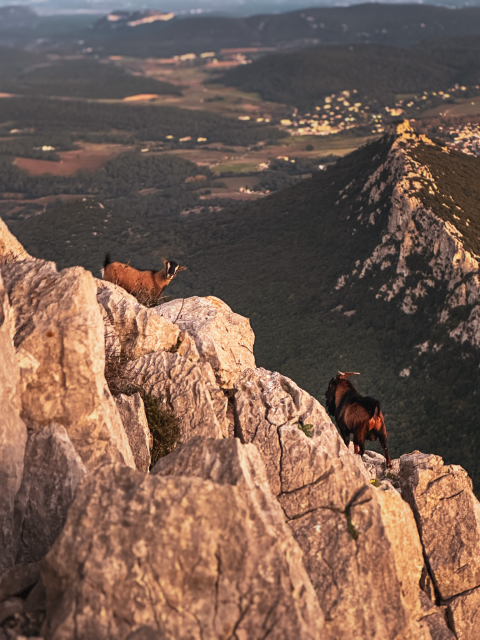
point(162, 422)
point(306, 428)
point(352, 530)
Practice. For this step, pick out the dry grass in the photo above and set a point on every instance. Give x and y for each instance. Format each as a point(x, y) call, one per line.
point(148, 300)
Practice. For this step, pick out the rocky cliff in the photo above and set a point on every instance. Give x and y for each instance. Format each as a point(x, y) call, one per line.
point(244, 527)
point(428, 241)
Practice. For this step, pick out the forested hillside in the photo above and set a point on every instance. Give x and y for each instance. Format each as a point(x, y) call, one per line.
point(304, 78)
point(22, 72)
point(125, 122)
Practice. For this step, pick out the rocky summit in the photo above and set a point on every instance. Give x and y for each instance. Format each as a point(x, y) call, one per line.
point(157, 485)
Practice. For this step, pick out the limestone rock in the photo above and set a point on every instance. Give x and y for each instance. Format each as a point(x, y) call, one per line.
point(10, 248)
point(448, 518)
point(230, 462)
point(118, 565)
point(17, 579)
point(188, 385)
point(52, 471)
point(464, 612)
point(132, 413)
point(13, 433)
point(266, 401)
point(223, 338)
point(10, 608)
point(375, 464)
point(59, 336)
point(37, 599)
point(347, 529)
point(139, 330)
point(427, 620)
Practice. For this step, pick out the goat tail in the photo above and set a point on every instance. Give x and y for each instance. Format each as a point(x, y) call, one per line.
point(376, 422)
point(107, 261)
point(379, 420)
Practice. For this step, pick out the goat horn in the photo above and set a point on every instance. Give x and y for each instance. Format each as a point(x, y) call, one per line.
point(350, 373)
point(340, 373)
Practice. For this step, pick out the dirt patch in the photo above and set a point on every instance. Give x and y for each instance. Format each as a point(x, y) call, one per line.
point(89, 158)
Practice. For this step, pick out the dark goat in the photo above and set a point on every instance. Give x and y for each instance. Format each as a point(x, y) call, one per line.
point(360, 415)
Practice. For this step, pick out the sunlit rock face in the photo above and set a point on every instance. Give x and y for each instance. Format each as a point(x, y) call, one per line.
point(421, 248)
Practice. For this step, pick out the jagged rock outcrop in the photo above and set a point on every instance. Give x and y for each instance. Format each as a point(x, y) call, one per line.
point(266, 401)
point(118, 565)
point(132, 413)
point(442, 500)
point(345, 527)
point(52, 472)
point(223, 338)
point(58, 335)
point(188, 386)
point(11, 250)
point(13, 434)
point(375, 465)
point(137, 329)
point(414, 233)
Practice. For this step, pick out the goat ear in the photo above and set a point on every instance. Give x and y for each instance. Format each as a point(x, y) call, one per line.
point(182, 269)
point(164, 260)
point(350, 373)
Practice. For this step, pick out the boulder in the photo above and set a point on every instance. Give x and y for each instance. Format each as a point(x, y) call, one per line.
point(184, 557)
point(52, 471)
point(139, 330)
point(375, 464)
point(264, 402)
point(442, 499)
point(10, 608)
point(348, 530)
point(132, 413)
point(10, 248)
point(464, 614)
point(13, 433)
point(188, 386)
point(17, 579)
point(223, 338)
point(59, 336)
point(448, 519)
point(232, 463)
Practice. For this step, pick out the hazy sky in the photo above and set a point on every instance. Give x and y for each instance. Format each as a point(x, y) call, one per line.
point(237, 7)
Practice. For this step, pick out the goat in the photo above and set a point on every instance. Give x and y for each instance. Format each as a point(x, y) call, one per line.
point(147, 283)
point(357, 414)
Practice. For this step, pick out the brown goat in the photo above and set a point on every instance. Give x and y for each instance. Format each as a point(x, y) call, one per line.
point(147, 283)
point(357, 414)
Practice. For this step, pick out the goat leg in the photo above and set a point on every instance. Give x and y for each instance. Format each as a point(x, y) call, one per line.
point(344, 430)
point(383, 441)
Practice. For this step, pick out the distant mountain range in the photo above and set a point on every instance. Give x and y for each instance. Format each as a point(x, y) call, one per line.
point(370, 266)
point(17, 17)
point(399, 25)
